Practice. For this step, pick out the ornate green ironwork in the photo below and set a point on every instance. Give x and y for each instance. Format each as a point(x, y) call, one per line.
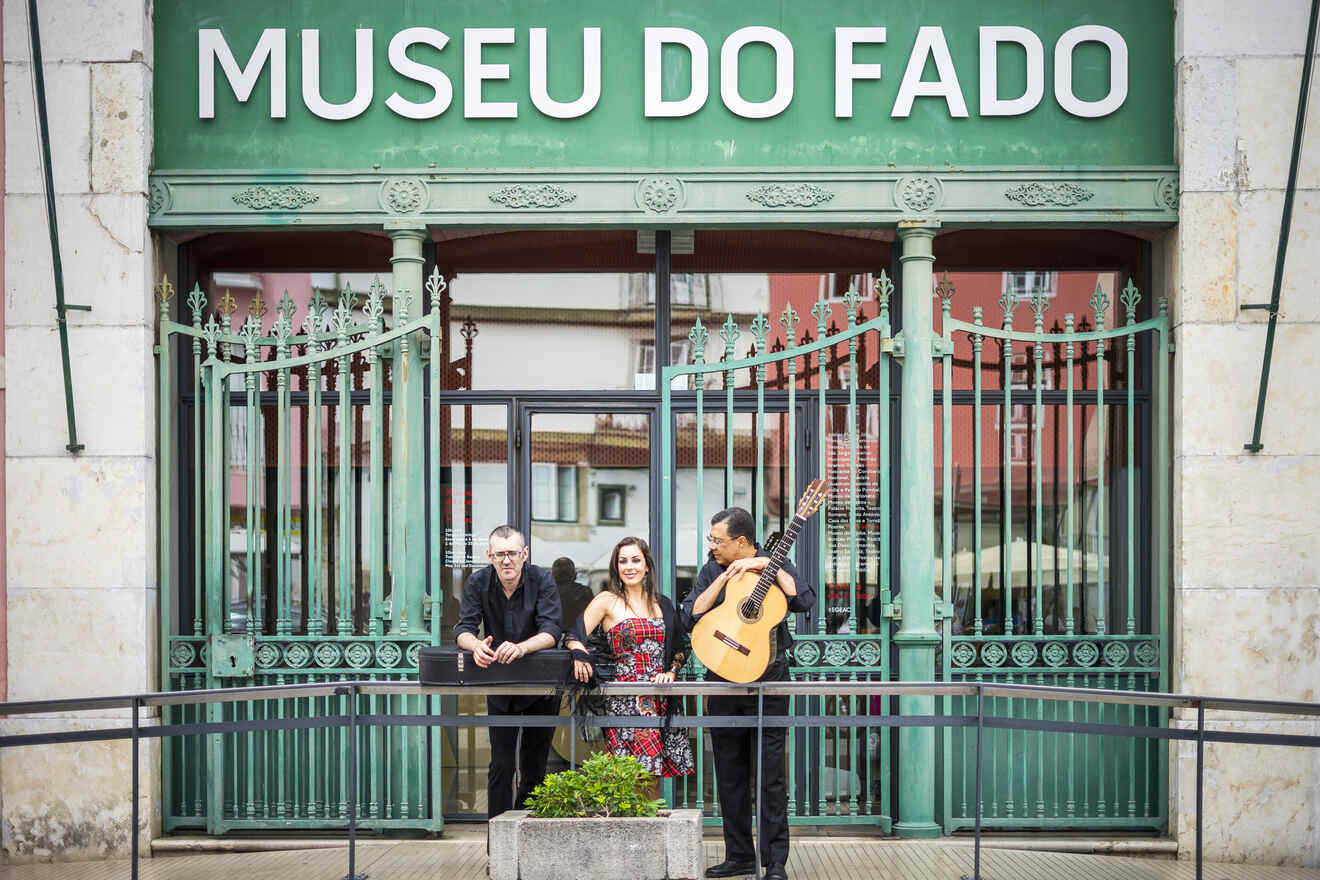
point(293, 778)
point(1067, 780)
point(857, 789)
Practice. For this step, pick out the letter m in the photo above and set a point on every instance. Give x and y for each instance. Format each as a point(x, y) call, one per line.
point(211, 47)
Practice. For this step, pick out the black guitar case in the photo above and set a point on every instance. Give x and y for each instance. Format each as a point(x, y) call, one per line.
point(450, 666)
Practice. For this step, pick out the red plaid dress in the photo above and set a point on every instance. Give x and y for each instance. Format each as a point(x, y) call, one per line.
point(639, 650)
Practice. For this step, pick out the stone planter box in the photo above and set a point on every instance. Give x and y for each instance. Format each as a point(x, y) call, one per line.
point(667, 847)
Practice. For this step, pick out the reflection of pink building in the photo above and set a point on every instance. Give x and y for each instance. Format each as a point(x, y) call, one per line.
point(244, 288)
point(1064, 293)
point(271, 287)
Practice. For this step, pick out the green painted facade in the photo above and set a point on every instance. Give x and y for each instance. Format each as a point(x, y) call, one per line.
point(616, 168)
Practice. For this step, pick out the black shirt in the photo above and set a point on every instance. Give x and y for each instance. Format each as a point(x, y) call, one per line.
point(805, 599)
point(533, 608)
point(573, 599)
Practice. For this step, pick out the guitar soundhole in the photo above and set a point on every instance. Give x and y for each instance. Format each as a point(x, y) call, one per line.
point(749, 611)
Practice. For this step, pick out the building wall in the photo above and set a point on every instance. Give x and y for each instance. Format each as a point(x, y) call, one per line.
point(1246, 555)
point(81, 533)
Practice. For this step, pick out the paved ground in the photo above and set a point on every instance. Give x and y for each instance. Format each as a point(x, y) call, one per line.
point(813, 858)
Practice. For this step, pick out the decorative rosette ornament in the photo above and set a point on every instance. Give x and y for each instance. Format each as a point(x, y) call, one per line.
point(806, 653)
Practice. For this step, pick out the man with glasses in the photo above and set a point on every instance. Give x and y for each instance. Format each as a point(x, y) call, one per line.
point(733, 550)
point(518, 606)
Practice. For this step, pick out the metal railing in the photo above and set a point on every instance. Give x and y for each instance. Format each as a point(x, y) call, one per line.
point(352, 720)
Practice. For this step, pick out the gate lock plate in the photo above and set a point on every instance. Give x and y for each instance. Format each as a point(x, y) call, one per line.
point(231, 656)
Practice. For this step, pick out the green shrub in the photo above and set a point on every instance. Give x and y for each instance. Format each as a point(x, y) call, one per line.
point(606, 785)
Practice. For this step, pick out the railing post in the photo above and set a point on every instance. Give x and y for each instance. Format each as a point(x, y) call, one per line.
point(980, 732)
point(756, 798)
point(916, 637)
point(352, 692)
point(1200, 780)
point(135, 773)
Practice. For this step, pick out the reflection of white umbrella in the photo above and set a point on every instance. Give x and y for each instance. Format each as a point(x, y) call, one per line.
point(964, 561)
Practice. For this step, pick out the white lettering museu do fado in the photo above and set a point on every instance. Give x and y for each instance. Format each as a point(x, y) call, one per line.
point(930, 45)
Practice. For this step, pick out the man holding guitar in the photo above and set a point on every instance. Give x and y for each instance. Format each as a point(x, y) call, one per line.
point(733, 553)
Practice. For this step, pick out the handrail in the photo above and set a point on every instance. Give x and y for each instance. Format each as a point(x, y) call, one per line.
point(678, 688)
point(354, 689)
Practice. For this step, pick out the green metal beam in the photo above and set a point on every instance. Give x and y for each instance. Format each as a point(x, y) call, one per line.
point(1285, 225)
point(62, 308)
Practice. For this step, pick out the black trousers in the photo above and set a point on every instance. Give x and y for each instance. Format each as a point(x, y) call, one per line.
point(500, 795)
point(735, 775)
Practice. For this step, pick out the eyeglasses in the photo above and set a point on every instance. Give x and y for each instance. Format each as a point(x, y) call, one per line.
point(718, 542)
point(506, 555)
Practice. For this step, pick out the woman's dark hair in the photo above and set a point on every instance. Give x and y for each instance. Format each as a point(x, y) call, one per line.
point(615, 585)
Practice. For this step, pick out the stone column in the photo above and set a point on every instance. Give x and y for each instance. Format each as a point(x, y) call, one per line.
point(1246, 574)
point(82, 535)
point(916, 637)
point(408, 534)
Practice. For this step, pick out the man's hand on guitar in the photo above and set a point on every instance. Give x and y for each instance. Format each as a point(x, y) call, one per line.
point(758, 563)
point(750, 563)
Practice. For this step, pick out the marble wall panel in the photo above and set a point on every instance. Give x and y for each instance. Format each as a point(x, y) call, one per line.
point(80, 30)
point(1217, 371)
point(1259, 801)
point(81, 523)
point(1249, 643)
point(121, 127)
point(1206, 148)
point(71, 801)
point(1266, 100)
point(1231, 27)
point(1246, 521)
point(78, 643)
point(1259, 215)
point(1206, 290)
point(105, 252)
point(112, 373)
point(68, 103)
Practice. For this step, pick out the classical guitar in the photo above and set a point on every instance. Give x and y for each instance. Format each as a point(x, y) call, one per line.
point(736, 639)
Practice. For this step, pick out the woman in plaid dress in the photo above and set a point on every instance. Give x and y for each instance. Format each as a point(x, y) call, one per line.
point(649, 646)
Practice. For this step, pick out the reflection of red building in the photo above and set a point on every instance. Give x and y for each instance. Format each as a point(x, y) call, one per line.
point(1062, 293)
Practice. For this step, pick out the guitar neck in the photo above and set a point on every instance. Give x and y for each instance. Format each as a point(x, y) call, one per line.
point(777, 559)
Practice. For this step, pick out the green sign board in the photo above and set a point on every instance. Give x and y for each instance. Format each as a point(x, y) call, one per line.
point(310, 84)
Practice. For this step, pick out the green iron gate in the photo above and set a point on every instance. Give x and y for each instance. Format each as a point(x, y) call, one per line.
point(315, 558)
point(837, 775)
point(311, 554)
point(1088, 627)
point(844, 775)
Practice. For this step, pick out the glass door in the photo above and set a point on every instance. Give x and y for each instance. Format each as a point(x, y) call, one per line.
point(587, 483)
